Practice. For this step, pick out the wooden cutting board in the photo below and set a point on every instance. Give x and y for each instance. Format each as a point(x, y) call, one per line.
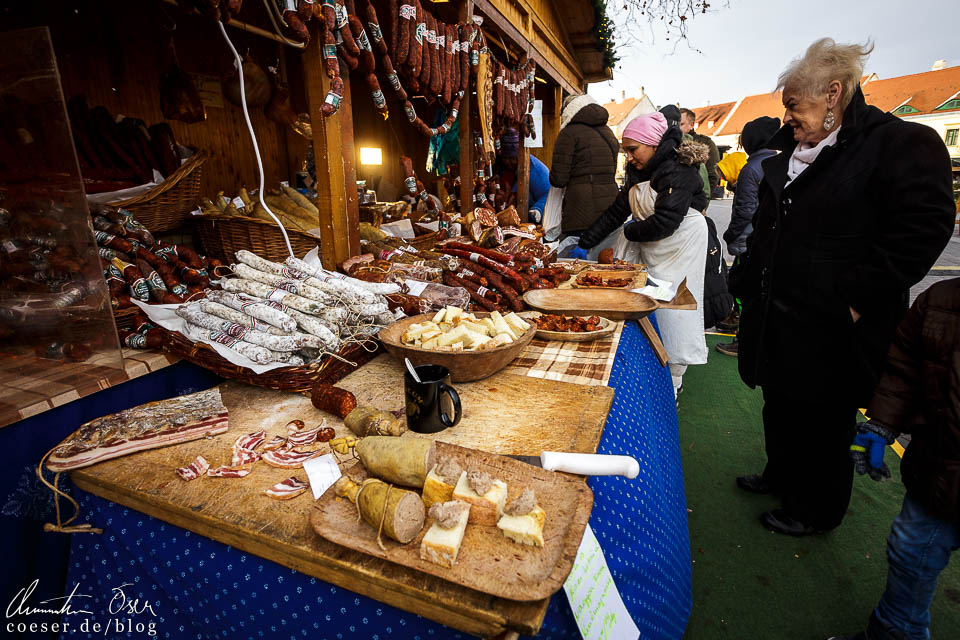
point(487, 560)
point(615, 304)
point(235, 511)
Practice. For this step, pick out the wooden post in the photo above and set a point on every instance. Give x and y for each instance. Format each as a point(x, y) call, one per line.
point(467, 169)
point(333, 158)
point(523, 182)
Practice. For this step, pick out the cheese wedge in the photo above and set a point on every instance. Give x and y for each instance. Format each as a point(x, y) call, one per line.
point(485, 509)
point(441, 546)
point(525, 529)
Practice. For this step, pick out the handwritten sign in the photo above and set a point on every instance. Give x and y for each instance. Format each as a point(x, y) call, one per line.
point(596, 603)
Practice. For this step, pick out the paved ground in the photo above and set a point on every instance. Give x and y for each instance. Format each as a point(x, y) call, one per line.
point(947, 266)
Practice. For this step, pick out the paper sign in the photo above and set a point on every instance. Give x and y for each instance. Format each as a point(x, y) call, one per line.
point(658, 290)
point(537, 113)
point(594, 599)
point(322, 472)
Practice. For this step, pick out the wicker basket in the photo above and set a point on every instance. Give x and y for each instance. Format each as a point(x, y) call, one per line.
point(291, 379)
point(168, 204)
point(221, 236)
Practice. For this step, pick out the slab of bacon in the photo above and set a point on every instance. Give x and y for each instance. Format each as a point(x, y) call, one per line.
point(289, 459)
point(151, 425)
point(289, 488)
point(194, 470)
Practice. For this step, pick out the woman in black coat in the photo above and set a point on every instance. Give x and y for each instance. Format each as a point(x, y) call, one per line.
point(854, 211)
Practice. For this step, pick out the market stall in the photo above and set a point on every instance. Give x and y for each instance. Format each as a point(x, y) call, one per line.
point(272, 195)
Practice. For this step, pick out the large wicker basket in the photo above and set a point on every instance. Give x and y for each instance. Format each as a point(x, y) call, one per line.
point(292, 379)
point(168, 204)
point(221, 236)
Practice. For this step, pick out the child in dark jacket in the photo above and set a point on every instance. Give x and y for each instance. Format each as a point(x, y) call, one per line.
point(919, 394)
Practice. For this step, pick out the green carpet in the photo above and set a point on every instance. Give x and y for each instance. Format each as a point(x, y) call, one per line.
point(752, 583)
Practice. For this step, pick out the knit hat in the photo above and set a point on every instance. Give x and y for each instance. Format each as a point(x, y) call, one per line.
point(510, 143)
point(757, 133)
point(731, 164)
point(647, 129)
point(672, 113)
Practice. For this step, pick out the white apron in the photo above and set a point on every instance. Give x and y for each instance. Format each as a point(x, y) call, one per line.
point(680, 255)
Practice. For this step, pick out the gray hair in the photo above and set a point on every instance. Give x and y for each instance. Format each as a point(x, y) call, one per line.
point(824, 62)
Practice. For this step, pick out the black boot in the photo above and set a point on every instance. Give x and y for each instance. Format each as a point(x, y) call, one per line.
point(730, 324)
point(729, 348)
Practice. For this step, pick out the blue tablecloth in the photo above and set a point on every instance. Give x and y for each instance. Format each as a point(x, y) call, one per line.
point(199, 588)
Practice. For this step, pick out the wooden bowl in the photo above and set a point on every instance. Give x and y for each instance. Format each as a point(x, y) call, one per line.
point(464, 366)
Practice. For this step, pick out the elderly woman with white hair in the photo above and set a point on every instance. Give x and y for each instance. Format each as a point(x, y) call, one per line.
point(852, 213)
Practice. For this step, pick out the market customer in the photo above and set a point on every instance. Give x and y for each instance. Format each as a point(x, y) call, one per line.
point(753, 139)
point(681, 255)
point(918, 394)
point(688, 121)
point(539, 180)
point(584, 166)
point(658, 154)
point(854, 211)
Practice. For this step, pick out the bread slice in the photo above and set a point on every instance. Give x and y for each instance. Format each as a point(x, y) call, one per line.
point(485, 509)
point(436, 489)
point(525, 529)
point(440, 545)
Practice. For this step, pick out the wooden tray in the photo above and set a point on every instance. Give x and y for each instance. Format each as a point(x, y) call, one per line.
point(607, 327)
point(487, 561)
point(464, 366)
point(615, 304)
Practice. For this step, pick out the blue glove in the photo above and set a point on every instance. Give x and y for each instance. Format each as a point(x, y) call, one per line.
point(868, 447)
point(578, 254)
point(535, 216)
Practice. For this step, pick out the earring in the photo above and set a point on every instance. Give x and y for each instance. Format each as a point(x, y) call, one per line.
point(829, 121)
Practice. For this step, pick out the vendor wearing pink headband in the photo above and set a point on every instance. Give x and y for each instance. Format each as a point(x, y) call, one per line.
point(656, 152)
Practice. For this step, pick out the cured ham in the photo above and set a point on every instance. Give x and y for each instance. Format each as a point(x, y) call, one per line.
point(148, 426)
point(289, 459)
point(194, 470)
point(289, 488)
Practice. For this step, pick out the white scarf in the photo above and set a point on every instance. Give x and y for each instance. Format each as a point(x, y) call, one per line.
point(573, 107)
point(804, 155)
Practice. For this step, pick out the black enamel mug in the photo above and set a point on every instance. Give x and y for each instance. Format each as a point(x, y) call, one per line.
point(425, 399)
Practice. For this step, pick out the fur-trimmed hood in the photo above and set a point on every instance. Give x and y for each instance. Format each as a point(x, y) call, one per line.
point(692, 153)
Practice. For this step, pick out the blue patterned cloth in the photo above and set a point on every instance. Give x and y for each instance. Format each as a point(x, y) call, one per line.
point(199, 588)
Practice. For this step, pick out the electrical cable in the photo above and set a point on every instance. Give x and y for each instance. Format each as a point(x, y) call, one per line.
point(253, 138)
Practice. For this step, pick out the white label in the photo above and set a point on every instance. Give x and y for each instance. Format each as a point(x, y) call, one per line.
point(475, 257)
point(284, 183)
point(408, 11)
point(416, 287)
point(594, 598)
point(196, 212)
point(277, 295)
point(482, 291)
point(322, 472)
point(238, 203)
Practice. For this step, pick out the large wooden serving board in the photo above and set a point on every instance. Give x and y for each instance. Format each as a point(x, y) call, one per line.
point(487, 561)
point(235, 511)
point(615, 304)
point(504, 413)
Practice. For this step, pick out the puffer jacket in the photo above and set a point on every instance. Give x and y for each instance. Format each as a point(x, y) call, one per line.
point(674, 173)
point(585, 163)
point(919, 393)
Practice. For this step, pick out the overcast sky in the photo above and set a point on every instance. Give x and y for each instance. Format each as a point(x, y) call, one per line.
point(745, 46)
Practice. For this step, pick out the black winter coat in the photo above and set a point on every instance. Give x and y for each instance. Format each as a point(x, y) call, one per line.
point(856, 229)
point(585, 162)
point(674, 174)
point(919, 394)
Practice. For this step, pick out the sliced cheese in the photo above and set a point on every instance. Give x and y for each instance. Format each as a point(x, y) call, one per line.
point(441, 546)
point(526, 529)
point(485, 509)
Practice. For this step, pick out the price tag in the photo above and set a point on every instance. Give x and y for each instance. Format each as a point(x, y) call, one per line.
point(416, 287)
point(322, 472)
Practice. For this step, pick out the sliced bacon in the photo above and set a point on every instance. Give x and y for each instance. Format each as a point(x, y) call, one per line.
point(230, 471)
point(289, 488)
point(289, 459)
point(295, 426)
point(277, 443)
point(194, 470)
point(244, 449)
point(303, 438)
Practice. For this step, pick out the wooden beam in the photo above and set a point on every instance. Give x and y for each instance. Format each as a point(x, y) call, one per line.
point(332, 143)
point(466, 132)
point(552, 101)
point(571, 82)
point(523, 182)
